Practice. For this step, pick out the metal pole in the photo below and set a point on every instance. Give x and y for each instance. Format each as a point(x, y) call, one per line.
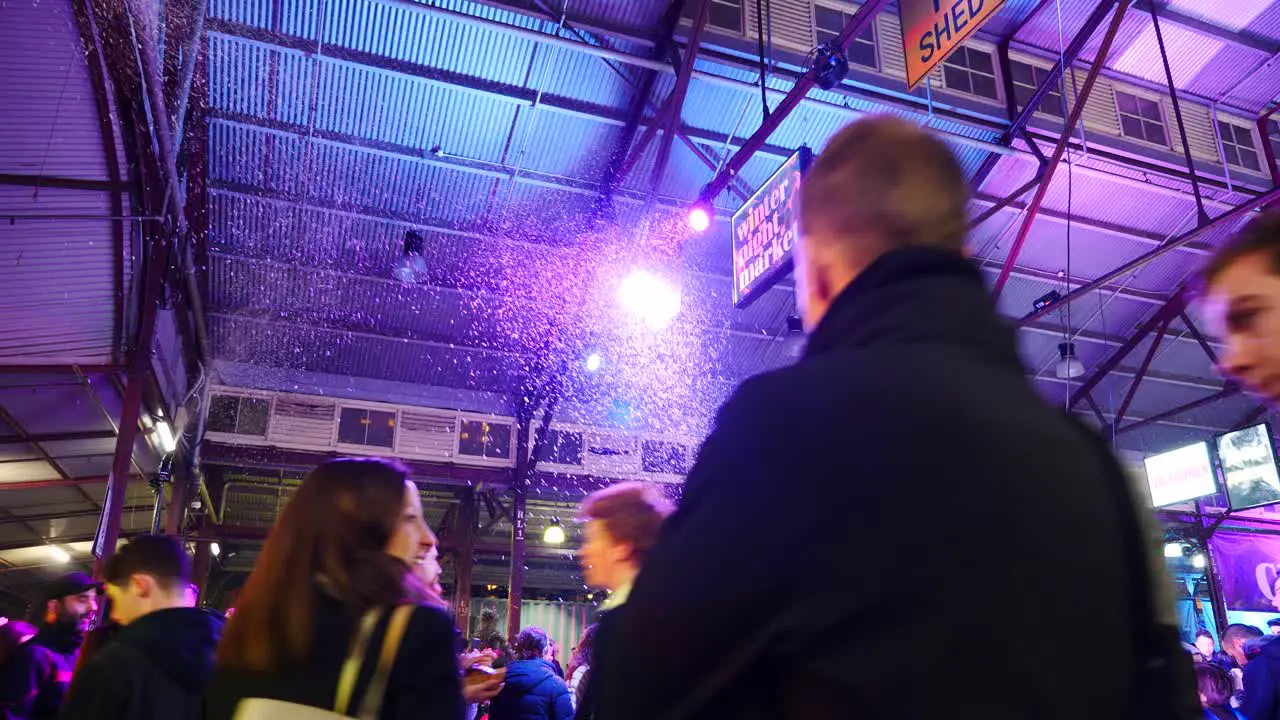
point(1177, 113)
point(675, 104)
point(464, 558)
point(1175, 304)
point(1142, 372)
point(1104, 51)
point(1229, 391)
point(1216, 598)
point(108, 533)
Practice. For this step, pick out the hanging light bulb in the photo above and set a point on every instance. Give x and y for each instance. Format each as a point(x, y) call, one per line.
point(412, 266)
point(554, 534)
point(1069, 366)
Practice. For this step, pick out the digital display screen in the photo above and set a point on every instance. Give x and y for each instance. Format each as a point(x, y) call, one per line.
point(1249, 467)
point(1180, 475)
point(765, 229)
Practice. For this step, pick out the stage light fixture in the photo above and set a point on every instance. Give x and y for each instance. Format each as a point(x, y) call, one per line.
point(215, 549)
point(1173, 550)
point(829, 64)
point(594, 362)
point(165, 434)
point(650, 298)
point(699, 218)
point(554, 534)
point(1198, 561)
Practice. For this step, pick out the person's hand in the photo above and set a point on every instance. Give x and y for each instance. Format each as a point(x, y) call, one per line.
point(476, 657)
point(478, 686)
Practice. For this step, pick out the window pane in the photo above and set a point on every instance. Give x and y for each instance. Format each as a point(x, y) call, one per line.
point(825, 18)
point(1250, 160)
point(1127, 104)
point(981, 61)
point(1155, 133)
point(1021, 95)
point(253, 416)
point(726, 17)
point(1273, 128)
point(862, 54)
point(663, 457)
point(1053, 105)
point(956, 78)
point(382, 428)
point(1150, 110)
point(868, 34)
point(352, 426)
point(1244, 138)
point(825, 37)
point(1023, 74)
point(222, 414)
point(985, 86)
point(1229, 151)
point(1131, 126)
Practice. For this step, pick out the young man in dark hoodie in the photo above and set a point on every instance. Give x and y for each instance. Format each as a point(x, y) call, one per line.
point(33, 682)
point(157, 665)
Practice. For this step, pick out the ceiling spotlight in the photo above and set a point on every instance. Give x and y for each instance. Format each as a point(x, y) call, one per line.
point(699, 217)
point(554, 534)
point(215, 549)
point(1198, 561)
point(1173, 550)
point(1069, 366)
point(165, 435)
point(412, 266)
point(594, 362)
point(829, 64)
point(650, 298)
point(58, 555)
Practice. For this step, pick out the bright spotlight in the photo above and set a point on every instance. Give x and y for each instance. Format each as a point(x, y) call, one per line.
point(554, 534)
point(59, 555)
point(699, 218)
point(215, 549)
point(1198, 561)
point(167, 443)
point(649, 298)
point(1173, 550)
point(594, 362)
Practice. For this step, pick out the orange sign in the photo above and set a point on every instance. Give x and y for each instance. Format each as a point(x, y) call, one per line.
point(932, 29)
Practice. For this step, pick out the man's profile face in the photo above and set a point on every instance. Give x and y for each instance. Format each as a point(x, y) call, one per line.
point(1242, 307)
point(601, 556)
point(76, 611)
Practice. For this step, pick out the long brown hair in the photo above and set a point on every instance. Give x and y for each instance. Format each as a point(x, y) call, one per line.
point(332, 533)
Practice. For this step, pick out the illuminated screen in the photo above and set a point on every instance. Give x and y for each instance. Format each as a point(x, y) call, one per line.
point(1181, 475)
point(1249, 467)
point(765, 230)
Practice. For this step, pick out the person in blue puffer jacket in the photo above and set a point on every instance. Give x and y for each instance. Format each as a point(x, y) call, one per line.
point(532, 689)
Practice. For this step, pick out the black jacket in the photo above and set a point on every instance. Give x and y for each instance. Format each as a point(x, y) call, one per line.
point(424, 682)
point(33, 683)
point(897, 526)
point(1262, 682)
point(155, 667)
point(532, 691)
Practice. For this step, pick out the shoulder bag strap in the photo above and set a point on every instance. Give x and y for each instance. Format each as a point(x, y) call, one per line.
point(371, 704)
point(355, 660)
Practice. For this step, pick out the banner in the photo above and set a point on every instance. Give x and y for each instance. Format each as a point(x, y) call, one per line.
point(1248, 565)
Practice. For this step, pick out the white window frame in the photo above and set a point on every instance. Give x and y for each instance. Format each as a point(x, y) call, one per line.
point(846, 13)
point(740, 5)
point(995, 72)
point(1257, 151)
point(1056, 91)
point(1164, 117)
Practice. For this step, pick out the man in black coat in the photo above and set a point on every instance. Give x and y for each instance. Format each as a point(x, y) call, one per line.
point(33, 683)
point(904, 475)
point(157, 665)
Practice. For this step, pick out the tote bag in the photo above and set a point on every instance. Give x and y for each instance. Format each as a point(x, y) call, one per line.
point(370, 704)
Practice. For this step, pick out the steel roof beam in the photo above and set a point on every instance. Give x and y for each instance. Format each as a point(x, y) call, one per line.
point(1142, 370)
point(1239, 38)
point(1233, 215)
point(59, 437)
point(1224, 393)
point(1060, 148)
point(860, 20)
point(1170, 309)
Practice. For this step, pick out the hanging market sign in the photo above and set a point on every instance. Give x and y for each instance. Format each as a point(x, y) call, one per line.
point(933, 29)
point(765, 230)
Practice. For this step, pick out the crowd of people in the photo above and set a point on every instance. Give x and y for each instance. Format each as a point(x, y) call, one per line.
point(904, 465)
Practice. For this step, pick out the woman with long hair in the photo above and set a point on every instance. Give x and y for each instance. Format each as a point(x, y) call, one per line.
point(579, 670)
point(346, 543)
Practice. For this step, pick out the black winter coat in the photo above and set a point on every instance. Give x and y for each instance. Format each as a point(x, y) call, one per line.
point(424, 683)
point(908, 467)
point(33, 683)
point(1262, 683)
point(532, 691)
point(155, 667)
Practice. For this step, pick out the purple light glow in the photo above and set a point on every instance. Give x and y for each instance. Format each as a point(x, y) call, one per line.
point(699, 218)
point(594, 361)
point(649, 298)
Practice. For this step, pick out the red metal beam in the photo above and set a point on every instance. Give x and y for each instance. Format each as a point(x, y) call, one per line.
point(1224, 393)
point(1269, 154)
point(1142, 371)
point(1104, 51)
point(1168, 310)
point(860, 20)
point(38, 484)
point(675, 104)
point(1232, 215)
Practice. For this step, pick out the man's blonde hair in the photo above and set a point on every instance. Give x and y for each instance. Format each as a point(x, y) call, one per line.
point(886, 178)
